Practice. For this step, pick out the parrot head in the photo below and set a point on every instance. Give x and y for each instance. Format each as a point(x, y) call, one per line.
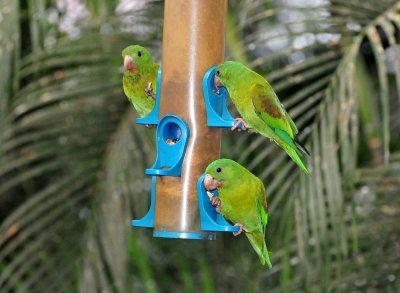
point(221, 173)
point(226, 72)
point(136, 58)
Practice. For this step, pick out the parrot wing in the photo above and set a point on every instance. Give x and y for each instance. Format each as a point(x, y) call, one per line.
point(269, 109)
point(257, 238)
point(291, 122)
point(263, 213)
point(261, 203)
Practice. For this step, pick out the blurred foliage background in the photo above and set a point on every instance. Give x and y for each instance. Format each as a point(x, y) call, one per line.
point(72, 161)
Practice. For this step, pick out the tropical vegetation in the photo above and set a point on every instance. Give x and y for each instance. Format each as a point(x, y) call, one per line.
point(72, 160)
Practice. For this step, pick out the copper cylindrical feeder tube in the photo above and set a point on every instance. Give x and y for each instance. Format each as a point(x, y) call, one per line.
point(193, 41)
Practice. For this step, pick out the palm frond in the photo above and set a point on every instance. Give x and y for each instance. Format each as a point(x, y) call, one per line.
point(72, 162)
point(329, 122)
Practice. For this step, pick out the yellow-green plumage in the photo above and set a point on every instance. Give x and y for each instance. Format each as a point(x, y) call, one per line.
point(243, 200)
point(259, 106)
point(135, 81)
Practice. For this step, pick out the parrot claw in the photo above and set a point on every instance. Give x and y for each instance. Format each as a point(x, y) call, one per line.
point(241, 229)
point(149, 125)
point(149, 91)
point(215, 201)
point(245, 126)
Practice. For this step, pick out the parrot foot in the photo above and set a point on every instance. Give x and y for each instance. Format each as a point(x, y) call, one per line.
point(210, 195)
point(149, 91)
point(245, 126)
point(215, 201)
point(241, 229)
point(149, 125)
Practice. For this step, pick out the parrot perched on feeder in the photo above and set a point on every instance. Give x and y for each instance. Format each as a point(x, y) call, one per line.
point(260, 108)
point(241, 199)
point(140, 77)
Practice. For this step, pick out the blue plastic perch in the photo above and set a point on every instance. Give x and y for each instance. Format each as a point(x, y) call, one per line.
point(216, 104)
point(210, 219)
point(148, 220)
point(172, 138)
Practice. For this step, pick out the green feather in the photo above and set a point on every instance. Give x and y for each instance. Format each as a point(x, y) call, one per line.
point(291, 122)
point(243, 200)
point(136, 82)
point(257, 241)
point(259, 106)
point(293, 153)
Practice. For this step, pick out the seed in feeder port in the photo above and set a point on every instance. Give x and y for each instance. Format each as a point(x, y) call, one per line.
point(171, 141)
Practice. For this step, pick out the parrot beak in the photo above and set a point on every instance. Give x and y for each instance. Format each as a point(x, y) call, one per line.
point(217, 84)
point(129, 64)
point(211, 183)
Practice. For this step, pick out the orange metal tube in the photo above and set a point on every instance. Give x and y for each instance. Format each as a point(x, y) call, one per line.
point(193, 41)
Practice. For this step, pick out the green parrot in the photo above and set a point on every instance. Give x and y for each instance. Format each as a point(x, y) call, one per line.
point(241, 199)
point(260, 108)
point(140, 77)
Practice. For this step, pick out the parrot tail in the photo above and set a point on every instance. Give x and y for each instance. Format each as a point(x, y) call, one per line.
point(301, 147)
point(292, 147)
point(257, 240)
point(295, 157)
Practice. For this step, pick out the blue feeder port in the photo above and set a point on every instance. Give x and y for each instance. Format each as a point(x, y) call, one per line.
point(216, 104)
point(185, 235)
point(210, 219)
point(148, 220)
point(152, 118)
point(172, 138)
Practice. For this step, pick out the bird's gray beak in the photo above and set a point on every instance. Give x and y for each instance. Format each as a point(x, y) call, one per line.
point(129, 64)
point(210, 183)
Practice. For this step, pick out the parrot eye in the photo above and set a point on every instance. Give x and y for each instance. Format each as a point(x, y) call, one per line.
point(218, 73)
point(139, 53)
point(219, 170)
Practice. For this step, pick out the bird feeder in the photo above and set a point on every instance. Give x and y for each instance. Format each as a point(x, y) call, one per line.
point(188, 115)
